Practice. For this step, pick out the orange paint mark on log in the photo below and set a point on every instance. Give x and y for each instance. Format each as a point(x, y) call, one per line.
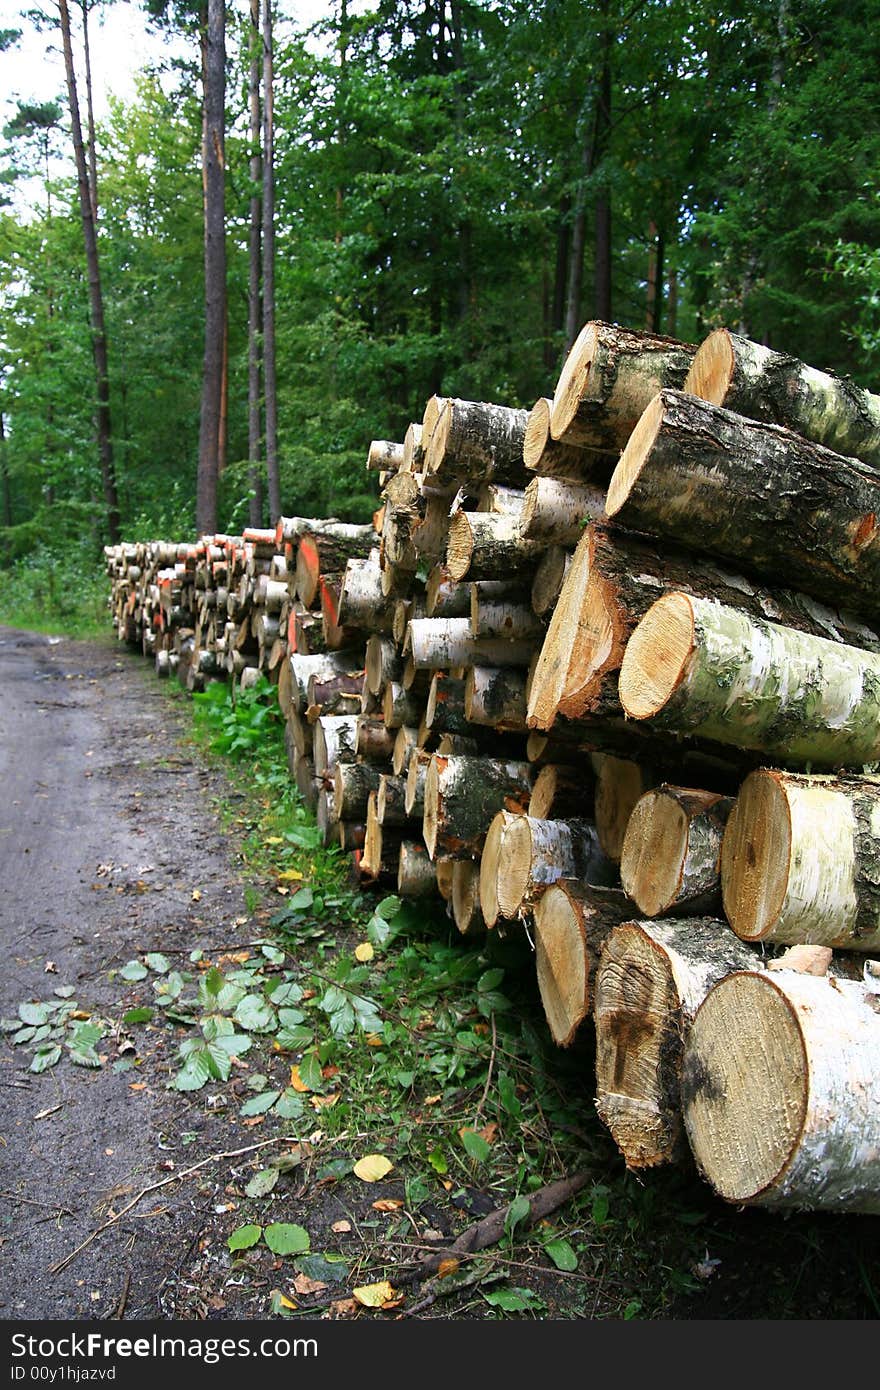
point(865, 531)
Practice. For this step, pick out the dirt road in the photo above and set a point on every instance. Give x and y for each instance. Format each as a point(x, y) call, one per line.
point(105, 831)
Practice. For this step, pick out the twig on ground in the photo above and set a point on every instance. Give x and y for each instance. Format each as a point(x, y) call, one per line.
point(489, 1071)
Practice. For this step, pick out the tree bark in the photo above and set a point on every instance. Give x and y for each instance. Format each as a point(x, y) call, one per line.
point(753, 493)
point(730, 371)
point(652, 978)
point(571, 921)
point(439, 644)
point(416, 875)
point(799, 860)
point(479, 442)
point(335, 741)
point(535, 853)
point(269, 367)
point(465, 899)
point(96, 297)
point(255, 303)
point(697, 667)
point(555, 512)
point(462, 795)
point(495, 698)
point(550, 458)
point(671, 857)
point(781, 1092)
point(486, 545)
point(326, 549)
point(352, 784)
point(390, 799)
point(609, 377)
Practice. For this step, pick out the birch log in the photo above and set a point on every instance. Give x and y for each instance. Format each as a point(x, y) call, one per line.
point(700, 668)
point(335, 741)
point(495, 698)
point(550, 458)
point(327, 551)
point(571, 921)
point(556, 512)
point(535, 853)
point(671, 856)
point(619, 784)
point(416, 875)
point(440, 644)
point(800, 862)
point(352, 784)
point(548, 579)
point(753, 493)
point(652, 978)
point(609, 376)
point(478, 441)
point(489, 905)
point(466, 897)
point(781, 1092)
point(731, 371)
point(384, 455)
point(561, 791)
point(463, 794)
point(488, 545)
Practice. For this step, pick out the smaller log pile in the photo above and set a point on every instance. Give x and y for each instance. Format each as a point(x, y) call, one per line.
point(586, 677)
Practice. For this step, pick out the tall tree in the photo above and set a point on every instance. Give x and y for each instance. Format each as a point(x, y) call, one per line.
point(213, 174)
point(96, 299)
point(255, 308)
point(269, 363)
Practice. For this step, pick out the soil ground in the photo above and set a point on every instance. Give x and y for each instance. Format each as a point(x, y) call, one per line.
point(106, 834)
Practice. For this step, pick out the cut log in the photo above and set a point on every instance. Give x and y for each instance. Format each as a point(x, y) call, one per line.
point(323, 667)
point(352, 835)
point(433, 410)
point(327, 551)
point(391, 801)
point(416, 775)
point(611, 583)
point(445, 597)
point(486, 545)
point(405, 740)
point(501, 617)
point(495, 698)
point(489, 905)
point(326, 818)
point(441, 644)
point(466, 897)
point(444, 867)
point(384, 455)
point(619, 784)
point(700, 668)
point(550, 458)
point(506, 501)
point(335, 741)
point(671, 859)
point(535, 853)
point(352, 784)
point(400, 707)
point(478, 441)
point(556, 512)
point(362, 603)
point(337, 635)
point(404, 509)
point(375, 742)
point(800, 861)
point(755, 494)
point(416, 875)
point(463, 794)
point(731, 371)
point(445, 709)
point(307, 783)
point(381, 852)
point(429, 537)
point(383, 663)
point(781, 1092)
point(571, 921)
point(548, 579)
point(413, 453)
point(340, 694)
point(652, 978)
point(561, 791)
point(609, 376)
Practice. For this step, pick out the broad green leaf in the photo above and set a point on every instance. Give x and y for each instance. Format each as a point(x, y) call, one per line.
point(35, 1014)
point(295, 1039)
point(332, 1269)
point(515, 1300)
point(507, 1092)
point(475, 1145)
point(259, 1104)
point(290, 1018)
point(168, 988)
point(216, 1026)
point(301, 900)
point(45, 1057)
point(142, 1015)
point(157, 962)
point(84, 1057)
point(562, 1254)
point(261, 1183)
point(284, 1238)
point(284, 994)
point(273, 954)
point(236, 1044)
point(244, 1237)
point(65, 991)
point(489, 980)
point(255, 1014)
point(518, 1210)
point(290, 1106)
point(134, 970)
point(194, 1073)
point(437, 1160)
point(388, 908)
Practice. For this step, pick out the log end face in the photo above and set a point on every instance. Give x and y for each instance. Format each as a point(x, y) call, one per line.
point(514, 863)
point(653, 853)
point(459, 546)
point(537, 432)
point(656, 656)
point(756, 856)
point(635, 455)
point(711, 370)
point(574, 379)
point(562, 965)
point(744, 1085)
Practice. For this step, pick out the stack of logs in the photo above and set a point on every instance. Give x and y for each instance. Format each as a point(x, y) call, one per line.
point(608, 672)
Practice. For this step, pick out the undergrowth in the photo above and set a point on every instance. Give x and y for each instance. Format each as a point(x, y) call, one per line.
point(58, 593)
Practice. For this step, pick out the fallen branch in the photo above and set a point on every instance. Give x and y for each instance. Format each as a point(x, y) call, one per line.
point(154, 1186)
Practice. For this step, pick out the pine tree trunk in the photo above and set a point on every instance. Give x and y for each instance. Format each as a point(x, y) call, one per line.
point(213, 164)
point(269, 367)
point(255, 305)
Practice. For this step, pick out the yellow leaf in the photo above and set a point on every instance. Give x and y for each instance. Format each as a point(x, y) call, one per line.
point(372, 1167)
point(447, 1267)
point(433, 1100)
point(283, 1300)
point(196, 895)
point(364, 951)
point(387, 1204)
point(375, 1295)
point(304, 1285)
point(374, 1040)
point(341, 1227)
point(290, 875)
point(296, 1080)
point(274, 840)
point(321, 1102)
point(282, 891)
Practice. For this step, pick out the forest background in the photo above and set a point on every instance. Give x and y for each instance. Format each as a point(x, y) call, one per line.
point(455, 189)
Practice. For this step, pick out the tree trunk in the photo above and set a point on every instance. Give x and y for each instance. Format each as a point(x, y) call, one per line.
point(4, 474)
point(255, 304)
point(781, 1092)
point(693, 666)
point(671, 857)
point(390, 799)
point(730, 371)
point(571, 921)
point(269, 372)
point(609, 377)
point(96, 298)
point(90, 112)
point(549, 578)
point(326, 549)
point(562, 791)
point(535, 853)
point(213, 166)
point(495, 698)
point(335, 741)
point(755, 494)
point(652, 978)
point(465, 899)
point(462, 795)
point(548, 457)
point(799, 860)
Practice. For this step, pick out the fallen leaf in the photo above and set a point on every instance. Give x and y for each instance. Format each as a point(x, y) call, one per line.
point(290, 876)
point(447, 1267)
point(344, 1308)
point(274, 840)
point(374, 1040)
point(254, 1120)
point(196, 895)
point(364, 951)
point(50, 968)
point(137, 1085)
point(488, 1132)
point(433, 1100)
point(375, 1295)
point(329, 1071)
point(372, 1167)
point(341, 1227)
point(304, 1285)
point(322, 1102)
point(387, 1204)
point(296, 1080)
